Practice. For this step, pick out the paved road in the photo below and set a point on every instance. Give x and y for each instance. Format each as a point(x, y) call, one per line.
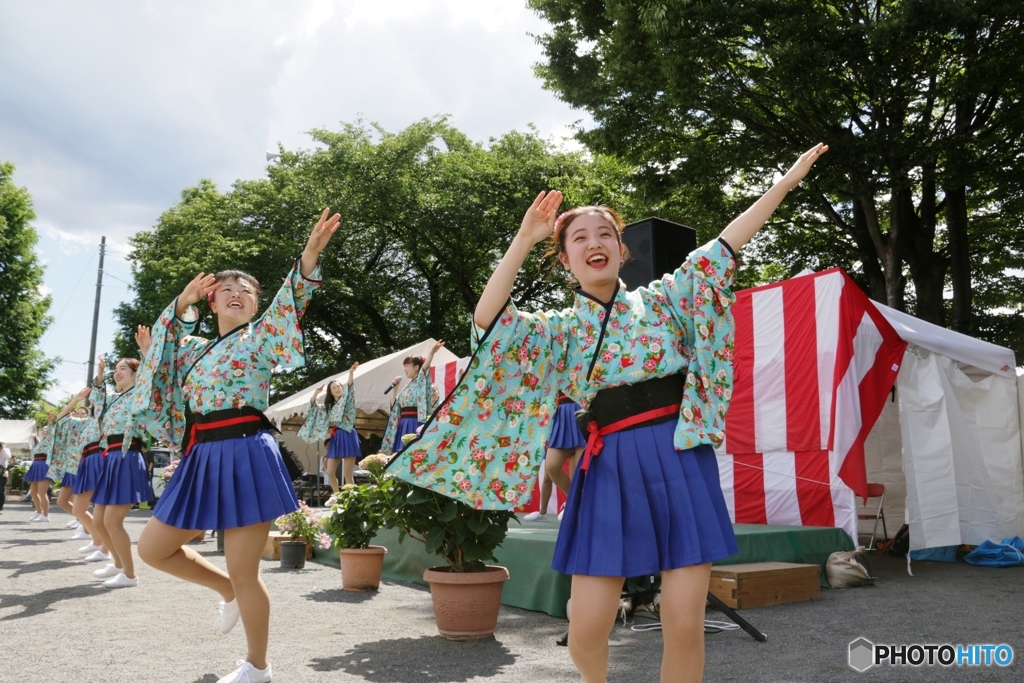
point(57, 624)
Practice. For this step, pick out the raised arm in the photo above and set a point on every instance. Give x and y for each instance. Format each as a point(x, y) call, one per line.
point(430, 356)
point(746, 225)
point(75, 400)
point(537, 224)
point(194, 292)
point(352, 373)
point(316, 392)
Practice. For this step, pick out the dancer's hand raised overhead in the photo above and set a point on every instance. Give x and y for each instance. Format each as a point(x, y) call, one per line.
point(797, 172)
point(194, 292)
point(144, 339)
point(318, 239)
point(539, 221)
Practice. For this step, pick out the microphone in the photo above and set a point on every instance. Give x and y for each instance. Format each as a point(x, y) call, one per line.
point(398, 380)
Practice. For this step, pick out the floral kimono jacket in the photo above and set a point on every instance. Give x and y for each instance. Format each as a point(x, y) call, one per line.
point(416, 393)
point(319, 421)
point(487, 441)
point(231, 371)
point(68, 441)
point(114, 412)
point(45, 445)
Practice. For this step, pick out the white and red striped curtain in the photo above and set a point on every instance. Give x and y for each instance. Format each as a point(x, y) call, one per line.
point(814, 363)
point(445, 376)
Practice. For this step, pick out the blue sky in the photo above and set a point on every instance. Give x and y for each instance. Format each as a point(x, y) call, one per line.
point(110, 108)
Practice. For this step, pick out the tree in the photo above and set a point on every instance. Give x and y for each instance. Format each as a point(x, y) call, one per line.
point(24, 370)
point(920, 101)
point(427, 213)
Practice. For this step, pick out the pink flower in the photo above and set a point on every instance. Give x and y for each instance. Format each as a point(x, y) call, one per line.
point(495, 485)
point(607, 356)
point(465, 485)
point(650, 365)
point(644, 339)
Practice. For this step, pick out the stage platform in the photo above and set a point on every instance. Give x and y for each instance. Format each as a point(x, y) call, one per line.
point(529, 547)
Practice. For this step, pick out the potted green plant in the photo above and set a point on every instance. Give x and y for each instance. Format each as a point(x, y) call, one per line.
point(466, 591)
point(357, 512)
point(303, 526)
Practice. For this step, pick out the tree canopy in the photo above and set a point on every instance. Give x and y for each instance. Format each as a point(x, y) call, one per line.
point(24, 370)
point(427, 213)
point(920, 101)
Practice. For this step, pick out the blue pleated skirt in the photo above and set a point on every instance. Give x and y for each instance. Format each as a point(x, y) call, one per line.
point(68, 480)
point(89, 469)
point(407, 425)
point(37, 472)
point(344, 444)
point(123, 479)
point(228, 484)
point(565, 432)
point(644, 507)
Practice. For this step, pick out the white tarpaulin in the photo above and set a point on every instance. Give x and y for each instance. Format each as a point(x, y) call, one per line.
point(19, 435)
point(371, 380)
point(949, 451)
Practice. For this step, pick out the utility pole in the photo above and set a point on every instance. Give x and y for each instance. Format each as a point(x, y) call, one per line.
point(96, 314)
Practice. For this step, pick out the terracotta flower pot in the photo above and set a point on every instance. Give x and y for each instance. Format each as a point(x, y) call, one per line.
point(466, 605)
point(293, 554)
point(361, 567)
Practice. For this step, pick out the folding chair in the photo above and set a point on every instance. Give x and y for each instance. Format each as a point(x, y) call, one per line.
point(875, 491)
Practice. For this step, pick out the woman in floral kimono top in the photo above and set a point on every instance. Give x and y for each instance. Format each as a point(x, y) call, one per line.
point(37, 475)
point(67, 450)
point(653, 369)
point(413, 404)
point(123, 479)
point(232, 475)
point(335, 422)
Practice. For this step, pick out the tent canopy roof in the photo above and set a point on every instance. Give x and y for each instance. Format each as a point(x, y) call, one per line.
point(976, 353)
point(18, 434)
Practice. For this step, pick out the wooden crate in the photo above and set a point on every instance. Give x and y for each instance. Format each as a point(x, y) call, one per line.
point(758, 584)
point(272, 550)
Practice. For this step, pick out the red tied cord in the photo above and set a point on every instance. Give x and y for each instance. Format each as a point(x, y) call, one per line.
point(595, 443)
point(333, 429)
point(111, 447)
point(196, 427)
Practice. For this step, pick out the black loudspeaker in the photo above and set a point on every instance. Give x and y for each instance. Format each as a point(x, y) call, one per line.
point(656, 247)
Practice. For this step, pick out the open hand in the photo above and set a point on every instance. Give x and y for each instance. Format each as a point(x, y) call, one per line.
point(539, 221)
point(196, 290)
point(144, 338)
point(322, 232)
point(795, 174)
point(437, 346)
point(101, 367)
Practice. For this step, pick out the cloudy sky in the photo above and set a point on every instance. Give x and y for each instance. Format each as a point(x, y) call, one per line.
point(109, 109)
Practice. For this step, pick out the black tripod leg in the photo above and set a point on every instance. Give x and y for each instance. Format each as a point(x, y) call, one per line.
point(737, 619)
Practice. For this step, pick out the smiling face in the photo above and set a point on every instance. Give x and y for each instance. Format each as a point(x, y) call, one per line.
point(336, 390)
point(124, 374)
point(411, 370)
point(592, 250)
point(234, 301)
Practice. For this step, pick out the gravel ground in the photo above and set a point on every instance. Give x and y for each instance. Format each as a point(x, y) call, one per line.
point(57, 624)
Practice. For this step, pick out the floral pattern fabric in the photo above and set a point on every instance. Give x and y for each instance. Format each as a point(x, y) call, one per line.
point(486, 443)
point(69, 438)
point(114, 412)
point(416, 393)
point(317, 427)
point(231, 371)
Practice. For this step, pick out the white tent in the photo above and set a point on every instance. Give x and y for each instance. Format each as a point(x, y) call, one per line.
point(948, 446)
point(19, 435)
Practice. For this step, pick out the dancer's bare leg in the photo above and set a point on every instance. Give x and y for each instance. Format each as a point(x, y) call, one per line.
point(80, 509)
point(99, 513)
point(683, 597)
point(162, 547)
point(39, 499)
point(555, 460)
point(348, 470)
point(595, 602)
point(64, 500)
point(332, 474)
point(242, 549)
point(121, 542)
point(545, 492)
